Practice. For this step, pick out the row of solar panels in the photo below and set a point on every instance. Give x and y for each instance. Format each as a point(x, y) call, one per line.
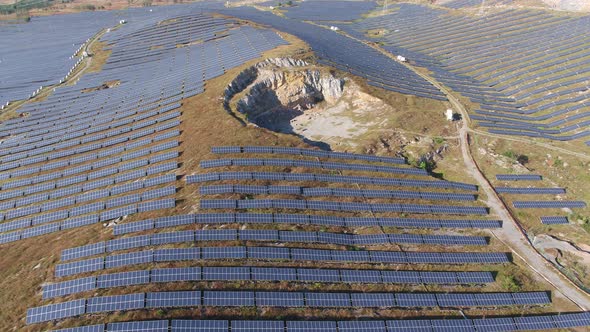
point(530, 191)
point(327, 191)
point(277, 176)
point(519, 323)
point(295, 204)
point(303, 152)
point(554, 220)
point(277, 253)
point(548, 204)
point(518, 177)
point(299, 219)
point(266, 235)
point(309, 164)
point(212, 273)
point(278, 299)
point(85, 220)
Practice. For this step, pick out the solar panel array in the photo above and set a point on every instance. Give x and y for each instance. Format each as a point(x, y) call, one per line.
point(554, 220)
point(346, 54)
point(69, 160)
point(521, 323)
point(304, 152)
point(457, 4)
point(538, 91)
point(274, 253)
point(265, 235)
point(530, 191)
point(309, 164)
point(329, 10)
point(548, 204)
point(303, 275)
point(299, 219)
point(518, 177)
point(338, 206)
point(326, 191)
point(277, 176)
point(278, 299)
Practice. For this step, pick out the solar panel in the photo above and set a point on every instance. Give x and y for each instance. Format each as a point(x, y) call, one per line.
point(143, 326)
point(311, 326)
point(223, 253)
point(415, 300)
point(494, 324)
point(128, 243)
point(173, 299)
point(89, 265)
point(462, 325)
point(179, 254)
point(55, 311)
point(534, 323)
point(409, 325)
point(132, 258)
point(228, 298)
point(351, 326)
point(115, 303)
point(226, 273)
point(327, 299)
point(280, 299)
point(176, 274)
point(69, 287)
point(372, 299)
point(199, 325)
point(254, 326)
point(88, 328)
point(123, 279)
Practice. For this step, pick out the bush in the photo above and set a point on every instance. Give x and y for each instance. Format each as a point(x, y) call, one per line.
point(509, 283)
point(439, 140)
point(510, 154)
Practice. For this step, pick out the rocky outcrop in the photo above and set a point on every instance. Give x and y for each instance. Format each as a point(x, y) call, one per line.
point(278, 89)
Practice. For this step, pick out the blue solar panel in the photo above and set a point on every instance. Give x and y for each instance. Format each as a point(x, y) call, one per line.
point(143, 326)
point(327, 300)
point(228, 298)
point(199, 326)
point(115, 303)
point(173, 299)
point(279, 299)
point(69, 287)
point(123, 279)
point(55, 311)
point(311, 326)
point(88, 328)
point(351, 326)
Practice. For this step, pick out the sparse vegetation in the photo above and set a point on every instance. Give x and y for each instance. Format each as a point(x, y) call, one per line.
point(509, 283)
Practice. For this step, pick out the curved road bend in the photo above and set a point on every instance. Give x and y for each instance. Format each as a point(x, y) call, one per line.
point(511, 234)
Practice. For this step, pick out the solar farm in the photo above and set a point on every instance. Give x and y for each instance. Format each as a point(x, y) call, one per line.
point(447, 192)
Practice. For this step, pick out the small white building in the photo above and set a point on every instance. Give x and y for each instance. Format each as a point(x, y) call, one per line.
point(401, 58)
point(334, 28)
point(122, 22)
point(449, 114)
